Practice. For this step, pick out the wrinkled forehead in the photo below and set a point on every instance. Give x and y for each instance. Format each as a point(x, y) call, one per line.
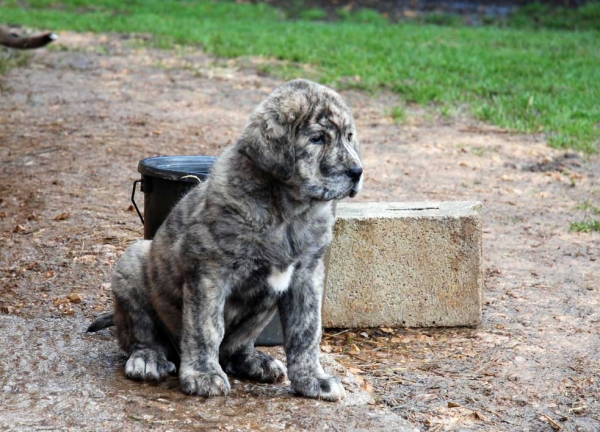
point(331, 114)
point(307, 104)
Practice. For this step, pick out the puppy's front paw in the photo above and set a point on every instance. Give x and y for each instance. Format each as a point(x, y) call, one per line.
point(148, 365)
point(257, 366)
point(205, 384)
point(329, 389)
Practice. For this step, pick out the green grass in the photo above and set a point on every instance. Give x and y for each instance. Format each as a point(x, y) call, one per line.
point(586, 226)
point(538, 15)
point(313, 14)
point(12, 58)
point(531, 81)
point(588, 206)
point(589, 223)
point(398, 114)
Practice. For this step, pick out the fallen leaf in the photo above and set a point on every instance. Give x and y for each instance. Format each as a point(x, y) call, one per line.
point(454, 405)
point(355, 371)
point(326, 348)
point(59, 302)
point(367, 386)
point(19, 229)
point(478, 416)
point(355, 348)
point(387, 330)
point(85, 259)
point(75, 298)
point(2, 214)
point(62, 216)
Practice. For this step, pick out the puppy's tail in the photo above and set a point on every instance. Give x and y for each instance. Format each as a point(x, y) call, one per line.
point(103, 321)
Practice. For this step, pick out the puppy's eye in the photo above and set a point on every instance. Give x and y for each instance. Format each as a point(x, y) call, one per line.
point(317, 139)
point(350, 135)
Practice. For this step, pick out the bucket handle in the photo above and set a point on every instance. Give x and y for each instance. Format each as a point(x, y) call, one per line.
point(133, 199)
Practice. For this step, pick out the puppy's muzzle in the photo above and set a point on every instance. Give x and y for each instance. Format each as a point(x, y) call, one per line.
point(355, 173)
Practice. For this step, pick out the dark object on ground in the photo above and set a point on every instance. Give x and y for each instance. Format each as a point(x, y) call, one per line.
point(13, 40)
point(165, 180)
point(565, 162)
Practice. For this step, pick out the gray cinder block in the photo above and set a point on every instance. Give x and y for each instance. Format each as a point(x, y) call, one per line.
point(405, 265)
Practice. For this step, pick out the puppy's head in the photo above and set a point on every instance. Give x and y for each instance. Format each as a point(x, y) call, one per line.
point(303, 134)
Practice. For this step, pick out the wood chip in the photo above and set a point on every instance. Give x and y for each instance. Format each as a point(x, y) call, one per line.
point(478, 416)
point(62, 216)
point(326, 348)
point(554, 425)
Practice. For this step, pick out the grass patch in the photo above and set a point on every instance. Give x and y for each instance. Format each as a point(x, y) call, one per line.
point(538, 15)
point(362, 16)
point(545, 81)
point(313, 14)
point(11, 58)
point(398, 114)
point(588, 206)
point(586, 226)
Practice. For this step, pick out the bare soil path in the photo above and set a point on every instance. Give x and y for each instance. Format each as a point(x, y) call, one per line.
point(75, 123)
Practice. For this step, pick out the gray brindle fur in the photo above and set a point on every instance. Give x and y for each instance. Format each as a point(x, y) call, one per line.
point(245, 243)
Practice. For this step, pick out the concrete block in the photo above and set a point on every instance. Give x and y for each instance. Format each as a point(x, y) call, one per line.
point(405, 265)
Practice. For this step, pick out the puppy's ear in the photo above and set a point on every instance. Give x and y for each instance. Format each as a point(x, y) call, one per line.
point(268, 142)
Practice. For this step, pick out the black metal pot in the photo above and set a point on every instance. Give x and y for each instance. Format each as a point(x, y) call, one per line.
point(165, 180)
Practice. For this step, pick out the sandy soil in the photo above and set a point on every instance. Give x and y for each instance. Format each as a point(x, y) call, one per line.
point(75, 123)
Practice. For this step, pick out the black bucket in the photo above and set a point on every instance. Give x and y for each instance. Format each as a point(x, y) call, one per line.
point(165, 180)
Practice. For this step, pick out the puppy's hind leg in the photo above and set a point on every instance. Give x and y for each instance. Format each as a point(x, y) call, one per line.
point(240, 359)
point(141, 334)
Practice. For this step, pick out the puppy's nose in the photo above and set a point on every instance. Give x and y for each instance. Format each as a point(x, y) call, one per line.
point(355, 172)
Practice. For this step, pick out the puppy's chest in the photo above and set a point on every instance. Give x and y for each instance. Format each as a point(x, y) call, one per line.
point(278, 280)
point(300, 244)
point(299, 241)
point(291, 250)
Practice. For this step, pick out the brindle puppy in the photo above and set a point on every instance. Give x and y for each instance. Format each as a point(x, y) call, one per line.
point(246, 242)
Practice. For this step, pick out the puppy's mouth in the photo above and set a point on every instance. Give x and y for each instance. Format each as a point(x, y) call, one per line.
point(356, 187)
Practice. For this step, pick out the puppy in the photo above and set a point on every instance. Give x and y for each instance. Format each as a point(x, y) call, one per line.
point(245, 243)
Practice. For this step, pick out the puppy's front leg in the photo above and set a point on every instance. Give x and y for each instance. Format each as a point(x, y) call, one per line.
point(300, 311)
point(202, 332)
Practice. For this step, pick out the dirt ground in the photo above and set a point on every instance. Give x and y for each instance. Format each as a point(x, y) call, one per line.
point(75, 123)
